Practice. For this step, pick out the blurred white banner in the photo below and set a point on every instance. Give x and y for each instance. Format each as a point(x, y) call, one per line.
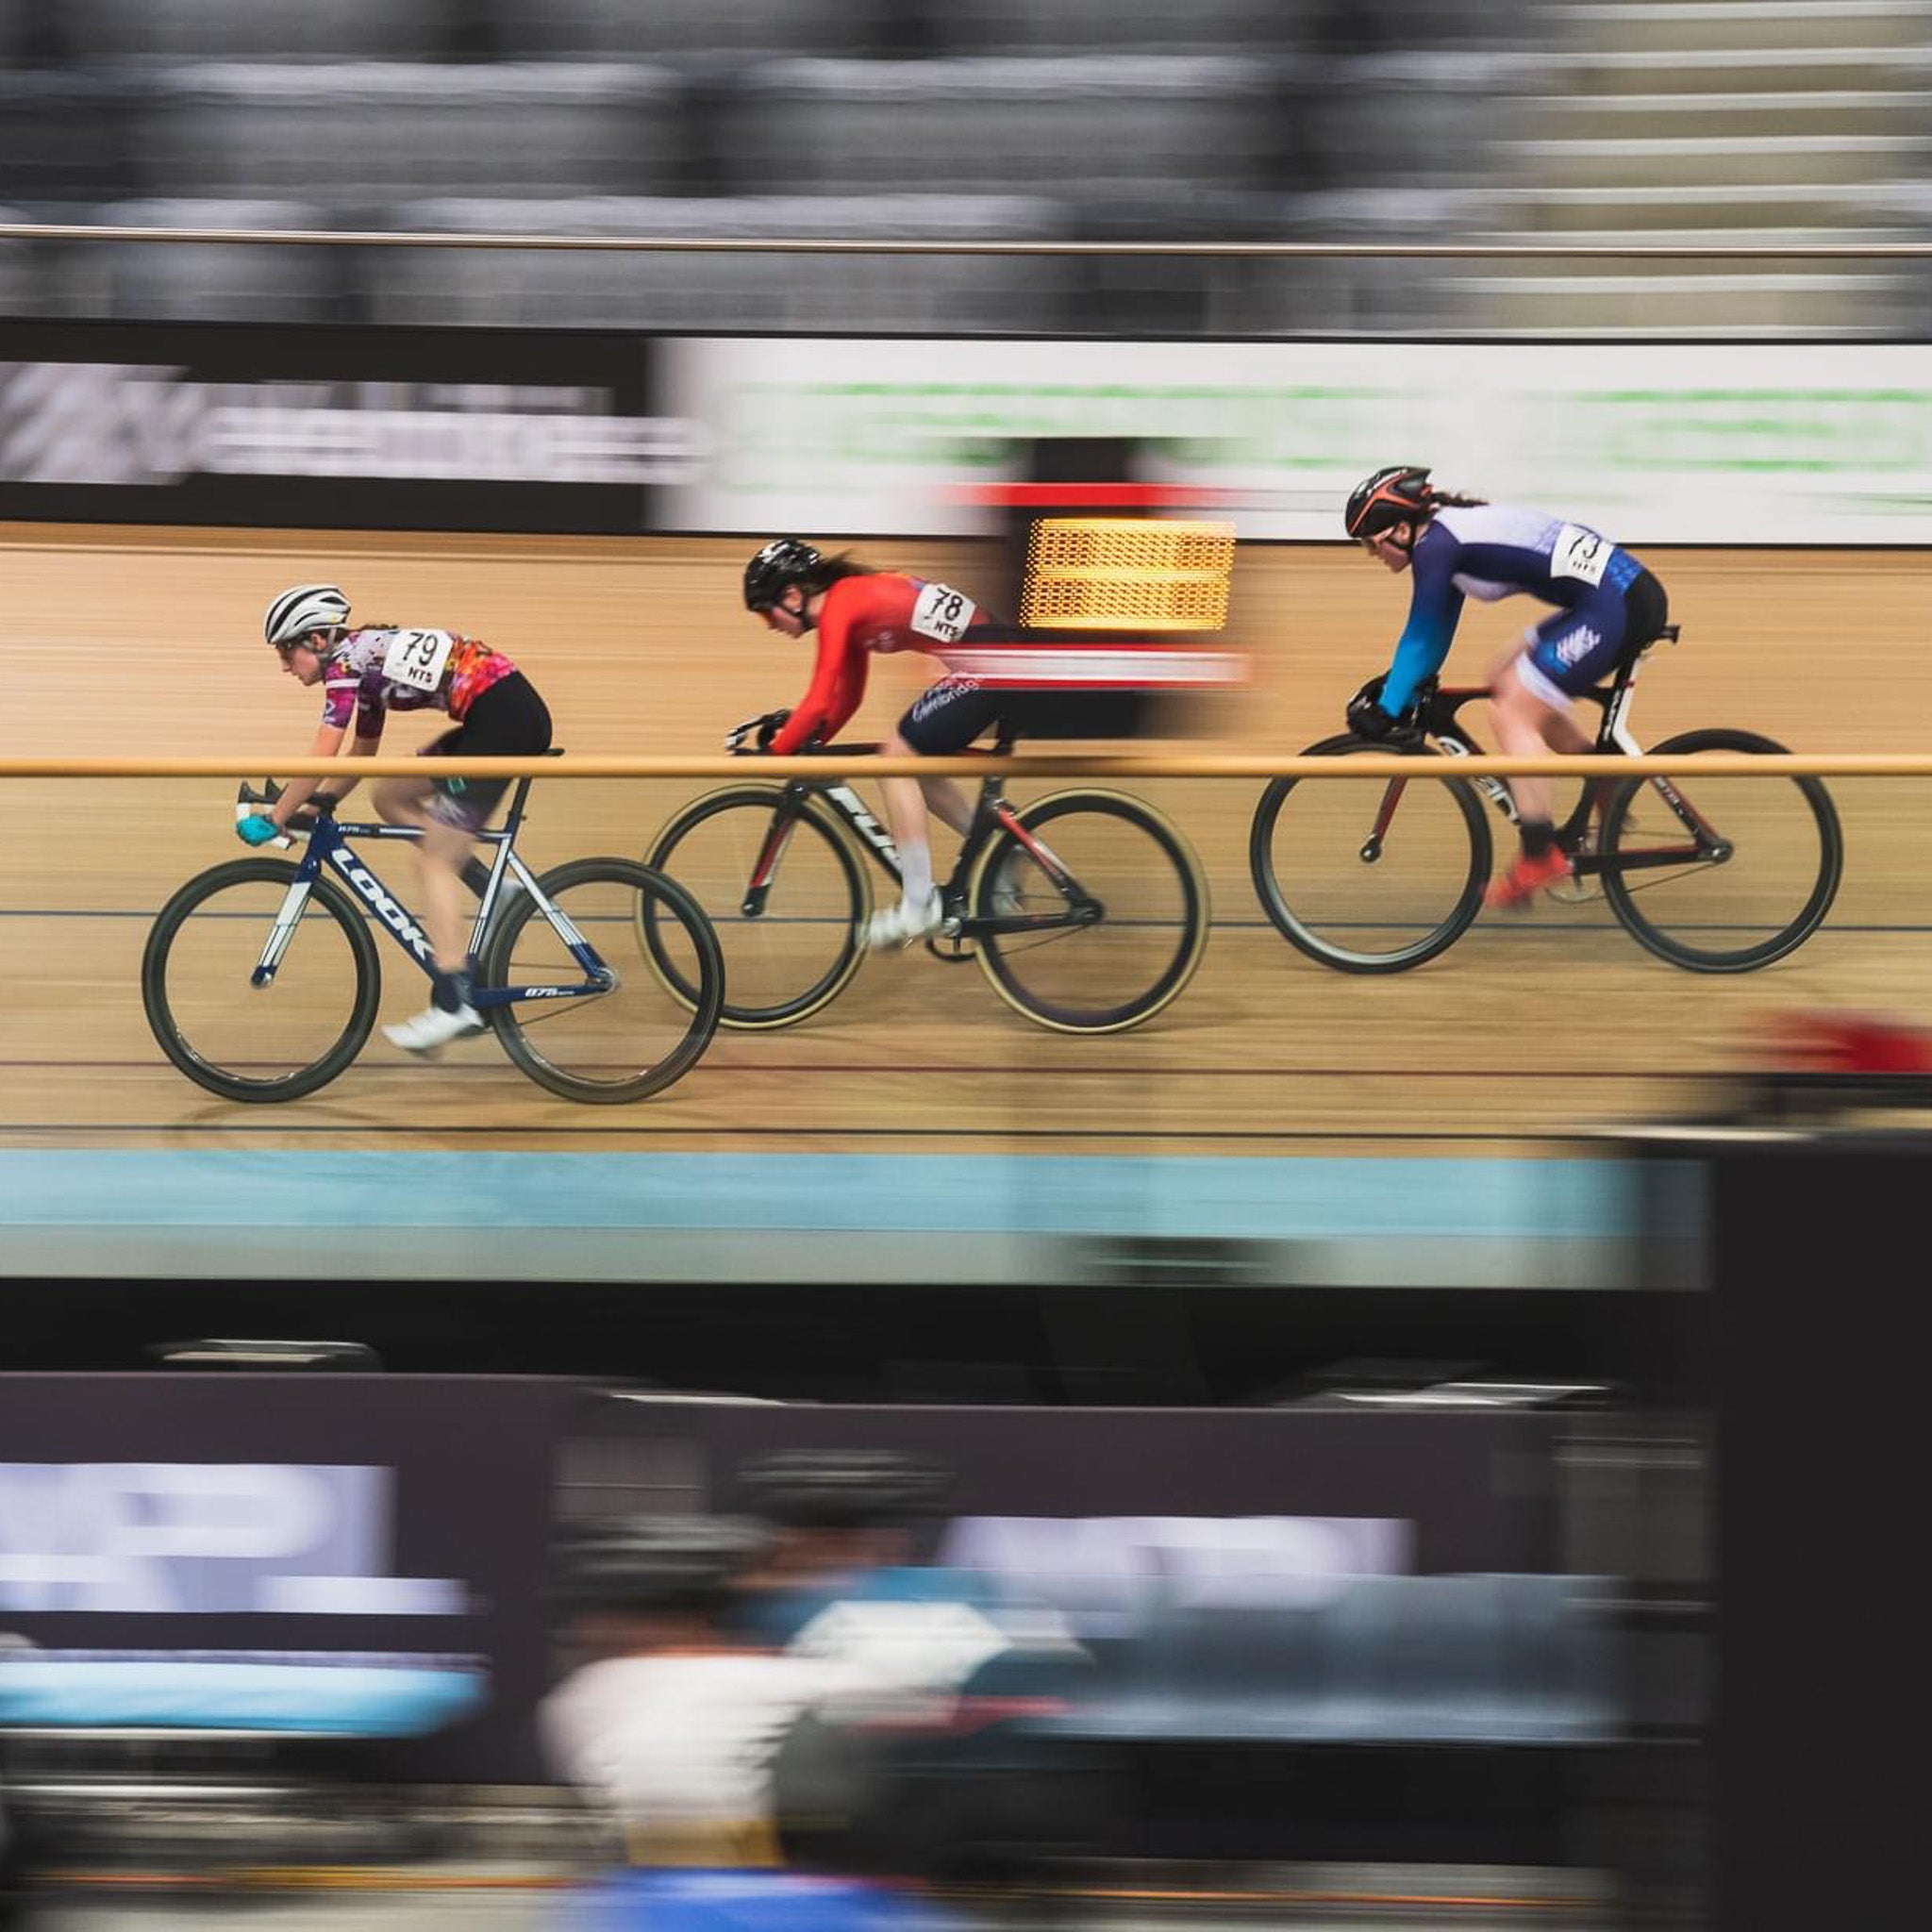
point(1696, 442)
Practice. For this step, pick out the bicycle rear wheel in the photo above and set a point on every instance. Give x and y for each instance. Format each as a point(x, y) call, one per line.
point(278, 1039)
point(638, 1036)
point(1369, 874)
point(1114, 947)
point(790, 940)
point(1765, 890)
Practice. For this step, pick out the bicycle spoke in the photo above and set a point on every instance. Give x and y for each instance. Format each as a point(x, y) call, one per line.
point(1123, 939)
point(271, 1042)
point(533, 1014)
point(1367, 875)
point(1760, 894)
point(638, 1036)
point(787, 958)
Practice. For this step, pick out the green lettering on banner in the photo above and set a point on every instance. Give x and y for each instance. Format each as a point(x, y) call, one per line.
point(775, 432)
point(1758, 430)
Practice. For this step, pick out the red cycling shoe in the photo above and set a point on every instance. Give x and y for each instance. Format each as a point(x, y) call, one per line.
point(1527, 878)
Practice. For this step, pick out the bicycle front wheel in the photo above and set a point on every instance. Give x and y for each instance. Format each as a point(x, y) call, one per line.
point(305, 1020)
point(1732, 881)
point(633, 1039)
point(1369, 874)
point(787, 899)
point(1121, 906)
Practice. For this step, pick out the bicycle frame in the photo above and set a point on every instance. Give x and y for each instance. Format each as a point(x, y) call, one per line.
point(328, 845)
point(991, 814)
point(1439, 715)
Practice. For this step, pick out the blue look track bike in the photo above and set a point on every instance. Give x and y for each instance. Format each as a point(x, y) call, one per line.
point(261, 978)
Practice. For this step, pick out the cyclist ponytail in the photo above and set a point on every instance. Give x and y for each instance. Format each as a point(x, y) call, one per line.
point(831, 569)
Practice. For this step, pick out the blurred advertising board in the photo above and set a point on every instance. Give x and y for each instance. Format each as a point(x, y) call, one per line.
point(400, 428)
point(611, 432)
point(382, 1542)
point(1678, 442)
point(1208, 1498)
point(336, 1554)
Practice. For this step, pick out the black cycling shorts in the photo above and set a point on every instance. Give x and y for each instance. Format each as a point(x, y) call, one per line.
point(947, 716)
point(507, 721)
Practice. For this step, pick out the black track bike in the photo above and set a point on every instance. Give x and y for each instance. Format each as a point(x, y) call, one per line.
point(1714, 875)
point(1086, 910)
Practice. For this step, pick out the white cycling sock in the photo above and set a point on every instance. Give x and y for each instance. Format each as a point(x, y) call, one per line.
point(915, 874)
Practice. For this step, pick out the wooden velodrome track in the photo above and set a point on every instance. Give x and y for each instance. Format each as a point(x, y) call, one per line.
point(132, 643)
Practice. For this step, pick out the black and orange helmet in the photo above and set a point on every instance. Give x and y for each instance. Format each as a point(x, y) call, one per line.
point(1399, 495)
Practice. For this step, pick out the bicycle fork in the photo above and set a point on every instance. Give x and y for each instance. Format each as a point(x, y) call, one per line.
point(283, 931)
point(778, 836)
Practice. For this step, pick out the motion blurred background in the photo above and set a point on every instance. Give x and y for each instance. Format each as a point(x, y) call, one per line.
point(1694, 121)
point(1308, 1461)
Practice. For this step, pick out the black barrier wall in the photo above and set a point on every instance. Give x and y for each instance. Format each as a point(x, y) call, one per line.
point(402, 428)
point(1821, 1784)
point(412, 1516)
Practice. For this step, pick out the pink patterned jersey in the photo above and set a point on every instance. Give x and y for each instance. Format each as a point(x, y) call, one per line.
point(377, 671)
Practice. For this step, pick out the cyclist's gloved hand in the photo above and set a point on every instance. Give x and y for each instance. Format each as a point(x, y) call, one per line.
point(760, 730)
point(257, 830)
point(1367, 719)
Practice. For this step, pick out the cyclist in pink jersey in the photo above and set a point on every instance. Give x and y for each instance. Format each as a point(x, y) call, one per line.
point(366, 672)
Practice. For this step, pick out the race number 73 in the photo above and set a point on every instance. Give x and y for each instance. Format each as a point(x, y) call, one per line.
point(1580, 554)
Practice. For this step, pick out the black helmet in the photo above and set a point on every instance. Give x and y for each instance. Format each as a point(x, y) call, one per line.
point(841, 1489)
point(1399, 495)
point(657, 1562)
point(783, 562)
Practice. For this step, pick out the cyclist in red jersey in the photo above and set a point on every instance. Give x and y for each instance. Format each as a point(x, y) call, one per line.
point(856, 611)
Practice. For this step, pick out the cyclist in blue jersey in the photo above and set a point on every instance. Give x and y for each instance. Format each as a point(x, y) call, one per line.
point(1607, 605)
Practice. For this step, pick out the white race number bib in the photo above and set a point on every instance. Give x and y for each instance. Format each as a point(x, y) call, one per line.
point(417, 658)
point(943, 613)
point(1580, 554)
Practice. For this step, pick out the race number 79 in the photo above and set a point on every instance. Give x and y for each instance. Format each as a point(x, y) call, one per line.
point(416, 657)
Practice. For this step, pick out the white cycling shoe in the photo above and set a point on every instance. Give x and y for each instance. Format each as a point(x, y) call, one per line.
point(434, 1028)
point(900, 925)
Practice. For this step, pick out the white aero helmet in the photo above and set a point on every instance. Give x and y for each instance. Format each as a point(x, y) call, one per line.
point(307, 607)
